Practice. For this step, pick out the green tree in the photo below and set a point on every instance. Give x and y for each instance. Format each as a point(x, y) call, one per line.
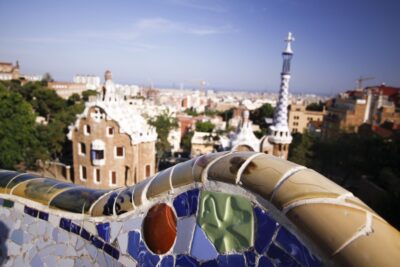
point(46, 102)
point(47, 78)
point(191, 112)
point(300, 150)
point(74, 98)
point(86, 94)
point(315, 106)
point(205, 126)
point(164, 123)
point(18, 140)
point(186, 141)
point(259, 115)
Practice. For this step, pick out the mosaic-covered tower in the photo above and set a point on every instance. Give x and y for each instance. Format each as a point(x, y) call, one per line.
point(280, 137)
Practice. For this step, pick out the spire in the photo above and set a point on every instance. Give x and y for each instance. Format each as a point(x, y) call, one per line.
point(289, 41)
point(281, 116)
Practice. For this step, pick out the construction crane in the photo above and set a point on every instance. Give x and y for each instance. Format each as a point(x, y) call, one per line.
point(361, 80)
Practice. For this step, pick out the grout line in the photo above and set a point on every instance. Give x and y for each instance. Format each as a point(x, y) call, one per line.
point(244, 165)
point(283, 179)
point(365, 230)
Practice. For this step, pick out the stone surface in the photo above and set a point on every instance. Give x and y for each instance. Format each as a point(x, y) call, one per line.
point(227, 221)
point(159, 228)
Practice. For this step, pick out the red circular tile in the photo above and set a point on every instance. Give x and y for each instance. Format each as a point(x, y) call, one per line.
point(159, 228)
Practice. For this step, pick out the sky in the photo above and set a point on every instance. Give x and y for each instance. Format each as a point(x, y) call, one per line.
point(229, 44)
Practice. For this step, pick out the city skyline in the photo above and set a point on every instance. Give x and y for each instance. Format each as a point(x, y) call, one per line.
point(230, 45)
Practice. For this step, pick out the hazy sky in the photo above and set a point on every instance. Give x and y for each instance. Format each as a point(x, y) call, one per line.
point(230, 44)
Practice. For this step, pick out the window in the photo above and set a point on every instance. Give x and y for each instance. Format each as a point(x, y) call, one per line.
point(110, 131)
point(82, 149)
point(119, 152)
point(147, 170)
point(83, 173)
point(96, 176)
point(113, 178)
point(86, 129)
point(97, 154)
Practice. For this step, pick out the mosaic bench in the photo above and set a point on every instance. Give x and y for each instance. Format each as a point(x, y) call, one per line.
point(222, 209)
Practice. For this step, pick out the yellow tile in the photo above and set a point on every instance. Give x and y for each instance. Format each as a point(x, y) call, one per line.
point(160, 184)
point(379, 248)
point(226, 168)
point(202, 162)
point(41, 189)
point(183, 174)
point(305, 184)
point(327, 225)
point(264, 172)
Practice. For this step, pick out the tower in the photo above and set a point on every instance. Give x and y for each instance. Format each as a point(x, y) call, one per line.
point(280, 137)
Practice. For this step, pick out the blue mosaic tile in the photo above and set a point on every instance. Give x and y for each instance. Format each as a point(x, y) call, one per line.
point(137, 249)
point(65, 224)
point(17, 236)
point(43, 215)
point(97, 242)
point(110, 250)
point(104, 231)
point(280, 257)
point(202, 248)
point(186, 203)
point(30, 211)
point(76, 229)
point(8, 203)
point(186, 261)
point(295, 248)
point(85, 234)
point(212, 263)
point(266, 228)
point(250, 258)
point(265, 262)
point(231, 260)
point(167, 261)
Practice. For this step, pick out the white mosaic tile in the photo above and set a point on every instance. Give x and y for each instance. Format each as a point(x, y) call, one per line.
point(80, 244)
point(127, 261)
point(54, 220)
point(13, 249)
point(19, 207)
point(185, 229)
point(133, 224)
point(65, 263)
point(92, 251)
point(90, 227)
point(123, 242)
point(50, 261)
point(115, 230)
